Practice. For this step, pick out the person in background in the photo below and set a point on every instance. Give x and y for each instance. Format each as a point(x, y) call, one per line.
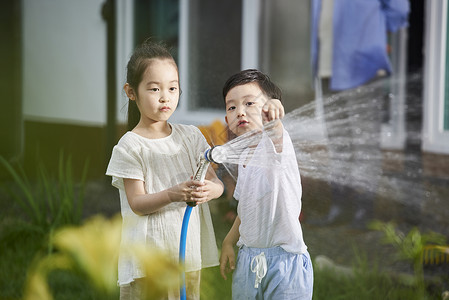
point(349, 49)
point(349, 39)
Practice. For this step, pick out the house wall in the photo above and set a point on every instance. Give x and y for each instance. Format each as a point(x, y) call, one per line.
point(64, 88)
point(64, 83)
point(64, 62)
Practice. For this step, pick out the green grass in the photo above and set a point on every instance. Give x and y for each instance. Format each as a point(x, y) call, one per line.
point(20, 243)
point(366, 285)
point(367, 282)
point(213, 286)
point(70, 286)
point(32, 210)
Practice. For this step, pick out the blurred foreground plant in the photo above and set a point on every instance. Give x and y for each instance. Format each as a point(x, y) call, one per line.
point(410, 246)
point(93, 250)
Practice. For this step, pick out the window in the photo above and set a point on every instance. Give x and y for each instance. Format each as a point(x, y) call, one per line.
point(213, 51)
point(158, 19)
point(209, 52)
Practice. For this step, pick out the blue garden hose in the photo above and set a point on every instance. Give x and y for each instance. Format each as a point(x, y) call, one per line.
point(200, 174)
point(182, 249)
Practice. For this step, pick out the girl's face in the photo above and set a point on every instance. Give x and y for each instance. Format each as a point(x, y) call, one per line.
point(244, 108)
point(158, 92)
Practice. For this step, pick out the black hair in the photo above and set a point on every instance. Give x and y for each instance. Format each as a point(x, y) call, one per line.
point(270, 89)
point(136, 67)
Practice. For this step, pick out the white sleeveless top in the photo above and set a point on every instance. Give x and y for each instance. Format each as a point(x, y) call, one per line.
point(270, 198)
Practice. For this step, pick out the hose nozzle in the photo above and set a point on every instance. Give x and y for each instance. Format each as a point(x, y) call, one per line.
point(200, 173)
point(218, 155)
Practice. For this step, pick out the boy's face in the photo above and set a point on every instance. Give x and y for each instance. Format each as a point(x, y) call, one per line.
point(244, 108)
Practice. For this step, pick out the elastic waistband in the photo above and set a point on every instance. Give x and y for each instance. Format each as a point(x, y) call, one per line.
point(269, 252)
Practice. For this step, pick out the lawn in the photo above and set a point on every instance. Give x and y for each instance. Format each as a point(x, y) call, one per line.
point(21, 244)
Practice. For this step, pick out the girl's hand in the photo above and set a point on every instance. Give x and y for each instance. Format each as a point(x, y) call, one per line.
point(227, 259)
point(196, 191)
point(203, 192)
point(143, 203)
point(272, 110)
point(188, 191)
point(193, 191)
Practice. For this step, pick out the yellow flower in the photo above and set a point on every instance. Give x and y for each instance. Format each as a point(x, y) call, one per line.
point(94, 248)
point(161, 273)
point(36, 287)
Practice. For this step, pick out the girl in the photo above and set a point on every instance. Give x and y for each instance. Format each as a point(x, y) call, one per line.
point(152, 166)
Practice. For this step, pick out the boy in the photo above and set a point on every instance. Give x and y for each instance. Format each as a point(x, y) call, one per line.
point(273, 262)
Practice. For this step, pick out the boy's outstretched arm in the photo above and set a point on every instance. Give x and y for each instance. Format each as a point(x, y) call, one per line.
point(227, 257)
point(272, 113)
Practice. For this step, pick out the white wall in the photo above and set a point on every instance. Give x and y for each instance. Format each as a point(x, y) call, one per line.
point(64, 61)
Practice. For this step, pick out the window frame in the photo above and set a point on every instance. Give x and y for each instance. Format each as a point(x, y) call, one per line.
point(435, 138)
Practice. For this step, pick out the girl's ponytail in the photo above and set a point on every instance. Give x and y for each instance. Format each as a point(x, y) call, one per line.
point(133, 114)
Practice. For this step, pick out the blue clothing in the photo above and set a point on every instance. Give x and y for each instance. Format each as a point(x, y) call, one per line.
point(359, 38)
point(288, 275)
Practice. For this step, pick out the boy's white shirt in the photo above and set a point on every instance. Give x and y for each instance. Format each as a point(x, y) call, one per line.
point(270, 198)
point(173, 159)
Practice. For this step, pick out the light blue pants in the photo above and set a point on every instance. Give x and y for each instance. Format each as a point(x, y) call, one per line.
point(272, 273)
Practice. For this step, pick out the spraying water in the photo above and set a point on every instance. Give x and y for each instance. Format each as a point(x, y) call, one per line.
point(341, 143)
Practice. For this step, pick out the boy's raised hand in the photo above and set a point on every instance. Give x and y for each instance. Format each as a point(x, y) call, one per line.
point(272, 110)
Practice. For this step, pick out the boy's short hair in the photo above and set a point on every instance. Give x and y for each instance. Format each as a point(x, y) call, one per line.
point(270, 89)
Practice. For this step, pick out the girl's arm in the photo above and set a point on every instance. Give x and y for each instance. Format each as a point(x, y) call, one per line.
point(227, 257)
point(143, 203)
